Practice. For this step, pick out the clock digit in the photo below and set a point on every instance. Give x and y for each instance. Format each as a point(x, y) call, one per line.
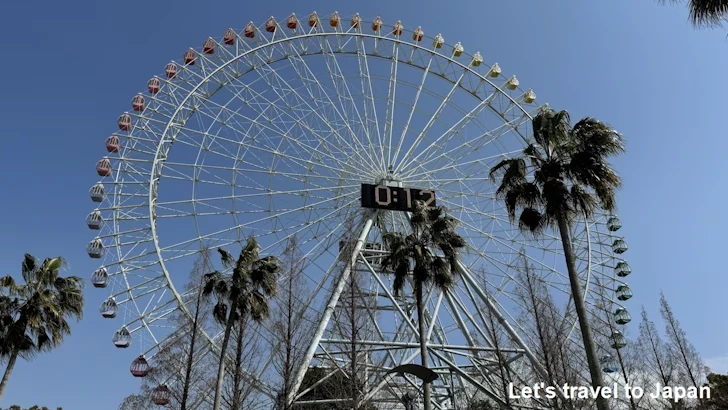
point(408, 202)
point(378, 196)
point(429, 195)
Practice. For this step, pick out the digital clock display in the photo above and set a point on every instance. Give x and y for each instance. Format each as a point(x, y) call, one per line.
point(394, 198)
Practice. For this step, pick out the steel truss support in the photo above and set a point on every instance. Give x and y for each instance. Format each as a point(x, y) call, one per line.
point(443, 352)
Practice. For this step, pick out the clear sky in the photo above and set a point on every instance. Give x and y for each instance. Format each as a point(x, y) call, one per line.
point(70, 68)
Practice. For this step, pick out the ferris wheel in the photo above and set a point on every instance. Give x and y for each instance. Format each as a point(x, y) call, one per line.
point(285, 129)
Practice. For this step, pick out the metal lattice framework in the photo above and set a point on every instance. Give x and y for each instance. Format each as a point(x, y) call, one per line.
point(271, 131)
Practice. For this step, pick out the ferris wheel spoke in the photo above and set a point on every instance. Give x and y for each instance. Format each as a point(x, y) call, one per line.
point(304, 163)
point(370, 108)
point(412, 149)
point(273, 121)
point(493, 138)
point(455, 130)
point(336, 72)
point(306, 72)
point(481, 161)
point(267, 218)
point(263, 127)
point(265, 193)
point(391, 94)
point(414, 108)
point(484, 140)
point(300, 98)
point(506, 245)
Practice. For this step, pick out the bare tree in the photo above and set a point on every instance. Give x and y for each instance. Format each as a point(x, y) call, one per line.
point(237, 389)
point(657, 361)
point(549, 334)
point(352, 323)
point(688, 362)
point(291, 326)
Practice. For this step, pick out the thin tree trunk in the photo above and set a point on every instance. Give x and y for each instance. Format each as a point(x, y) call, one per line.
point(354, 337)
point(288, 368)
point(238, 368)
point(633, 405)
point(223, 351)
point(190, 357)
point(581, 312)
point(423, 340)
point(8, 370)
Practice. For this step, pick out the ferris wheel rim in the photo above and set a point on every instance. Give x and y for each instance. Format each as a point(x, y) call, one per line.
point(165, 143)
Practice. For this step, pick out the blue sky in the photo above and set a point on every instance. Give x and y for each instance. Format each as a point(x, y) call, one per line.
point(71, 68)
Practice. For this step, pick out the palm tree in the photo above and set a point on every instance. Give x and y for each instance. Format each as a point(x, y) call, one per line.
point(34, 315)
point(705, 13)
point(245, 294)
point(571, 177)
point(432, 231)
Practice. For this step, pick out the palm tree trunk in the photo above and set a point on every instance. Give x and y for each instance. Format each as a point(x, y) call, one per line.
point(8, 370)
point(580, 305)
point(237, 391)
point(423, 340)
point(190, 357)
point(223, 352)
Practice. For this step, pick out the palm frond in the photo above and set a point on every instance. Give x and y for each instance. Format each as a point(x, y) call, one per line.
point(533, 221)
point(607, 197)
point(264, 275)
point(420, 216)
point(219, 312)
point(557, 199)
point(550, 129)
point(441, 274)
point(249, 253)
point(709, 13)
point(259, 309)
point(400, 277)
point(583, 200)
point(208, 282)
point(525, 195)
point(533, 152)
point(705, 13)
point(226, 257)
point(8, 283)
point(512, 171)
point(29, 263)
point(596, 137)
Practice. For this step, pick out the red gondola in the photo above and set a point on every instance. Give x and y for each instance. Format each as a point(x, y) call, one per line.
point(355, 21)
point(190, 57)
point(270, 25)
point(377, 24)
point(292, 22)
point(153, 85)
point(140, 367)
point(249, 30)
point(103, 168)
point(229, 37)
point(161, 395)
point(171, 70)
point(334, 19)
point(313, 20)
point(137, 103)
point(209, 46)
point(418, 34)
point(124, 122)
point(397, 29)
point(113, 144)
